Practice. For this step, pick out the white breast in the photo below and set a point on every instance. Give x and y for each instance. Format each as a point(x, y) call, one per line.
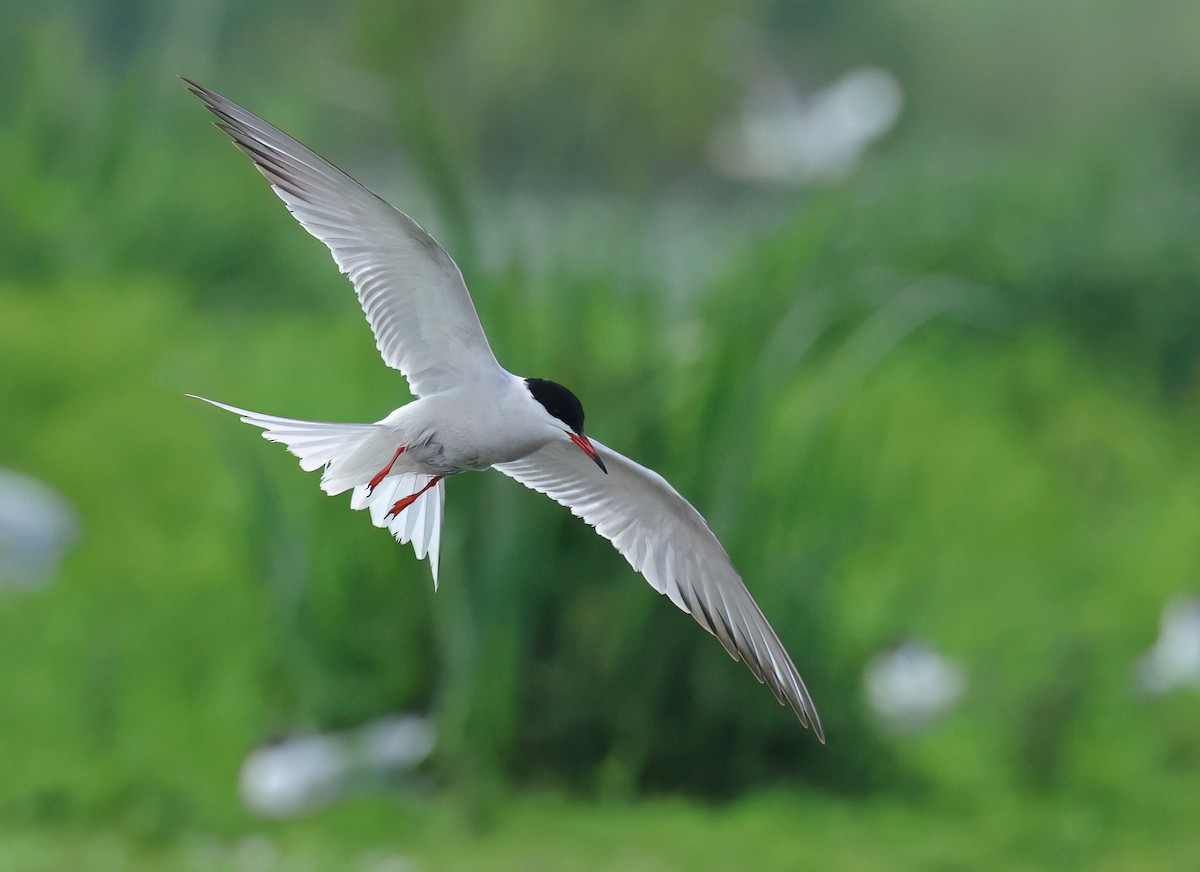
point(472, 427)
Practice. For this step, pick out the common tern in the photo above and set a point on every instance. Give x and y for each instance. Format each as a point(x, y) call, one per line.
point(471, 414)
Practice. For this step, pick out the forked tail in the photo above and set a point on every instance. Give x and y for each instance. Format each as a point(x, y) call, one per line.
point(348, 453)
point(420, 523)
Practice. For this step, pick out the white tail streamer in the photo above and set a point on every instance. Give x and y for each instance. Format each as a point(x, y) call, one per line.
point(348, 456)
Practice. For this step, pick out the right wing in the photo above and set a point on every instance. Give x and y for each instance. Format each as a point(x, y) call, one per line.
point(413, 294)
point(665, 538)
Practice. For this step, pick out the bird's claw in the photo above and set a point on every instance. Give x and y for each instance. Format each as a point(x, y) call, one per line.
point(382, 474)
point(399, 507)
point(403, 504)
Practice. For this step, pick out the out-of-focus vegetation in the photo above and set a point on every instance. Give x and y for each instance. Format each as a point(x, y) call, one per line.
point(952, 397)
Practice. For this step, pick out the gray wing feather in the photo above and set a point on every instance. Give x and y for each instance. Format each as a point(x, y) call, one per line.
point(411, 291)
point(663, 537)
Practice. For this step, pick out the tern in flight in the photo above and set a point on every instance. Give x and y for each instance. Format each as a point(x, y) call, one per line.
point(471, 413)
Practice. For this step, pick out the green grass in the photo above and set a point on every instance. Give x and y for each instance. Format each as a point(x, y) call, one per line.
point(1010, 497)
point(529, 832)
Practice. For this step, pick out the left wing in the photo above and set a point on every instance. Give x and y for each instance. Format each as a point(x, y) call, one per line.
point(412, 293)
point(665, 538)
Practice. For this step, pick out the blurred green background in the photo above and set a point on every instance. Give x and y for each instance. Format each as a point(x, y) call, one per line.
point(951, 394)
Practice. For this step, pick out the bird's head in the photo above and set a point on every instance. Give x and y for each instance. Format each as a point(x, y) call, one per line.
point(564, 407)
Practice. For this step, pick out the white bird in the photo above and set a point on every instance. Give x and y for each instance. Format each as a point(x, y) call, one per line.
point(472, 414)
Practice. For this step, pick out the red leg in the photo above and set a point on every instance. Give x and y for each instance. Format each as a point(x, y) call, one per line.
point(379, 476)
point(403, 504)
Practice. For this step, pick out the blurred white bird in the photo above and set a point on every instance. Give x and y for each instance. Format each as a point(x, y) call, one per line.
point(911, 685)
point(1174, 660)
point(472, 414)
point(37, 526)
point(781, 136)
point(300, 774)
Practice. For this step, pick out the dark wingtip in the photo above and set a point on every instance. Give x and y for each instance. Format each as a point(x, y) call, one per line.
point(209, 97)
point(810, 719)
point(194, 86)
point(816, 727)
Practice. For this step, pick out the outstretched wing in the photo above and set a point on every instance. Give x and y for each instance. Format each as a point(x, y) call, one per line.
point(665, 538)
point(413, 294)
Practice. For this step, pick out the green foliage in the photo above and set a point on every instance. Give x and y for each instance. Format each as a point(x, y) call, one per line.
point(772, 830)
point(953, 398)
point(1007, 494)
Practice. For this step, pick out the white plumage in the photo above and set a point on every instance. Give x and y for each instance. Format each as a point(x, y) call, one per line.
point(472, 414)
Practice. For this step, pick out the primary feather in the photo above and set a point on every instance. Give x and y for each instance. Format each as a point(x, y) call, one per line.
point(412, 292)
point(663, 537)
point(425, 326)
